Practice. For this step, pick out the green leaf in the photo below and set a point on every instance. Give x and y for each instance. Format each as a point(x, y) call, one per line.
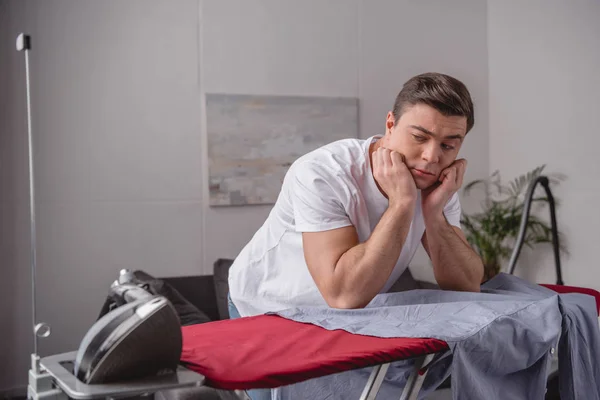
point(467, 189)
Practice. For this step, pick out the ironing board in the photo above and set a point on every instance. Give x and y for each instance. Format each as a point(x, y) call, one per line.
point(269, 351)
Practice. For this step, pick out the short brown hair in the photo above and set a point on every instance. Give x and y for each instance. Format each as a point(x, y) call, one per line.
point(446, 94)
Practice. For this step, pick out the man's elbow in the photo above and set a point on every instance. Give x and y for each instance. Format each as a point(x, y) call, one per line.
point(474, 287)
point(473, 278)
point(470, 283)
point(345, 302)
point(460, 286)
point(478, 275)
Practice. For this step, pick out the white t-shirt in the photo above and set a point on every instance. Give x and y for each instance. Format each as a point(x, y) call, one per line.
point(328, 188)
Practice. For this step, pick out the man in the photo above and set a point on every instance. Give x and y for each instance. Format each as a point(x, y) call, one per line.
point(351, 214)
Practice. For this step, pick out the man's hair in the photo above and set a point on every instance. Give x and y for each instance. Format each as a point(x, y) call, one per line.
point(446, 94)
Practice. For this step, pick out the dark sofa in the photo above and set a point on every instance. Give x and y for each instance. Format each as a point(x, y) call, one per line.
point(207, 292)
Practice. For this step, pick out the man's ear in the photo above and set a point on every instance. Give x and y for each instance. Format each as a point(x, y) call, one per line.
point(389, 122)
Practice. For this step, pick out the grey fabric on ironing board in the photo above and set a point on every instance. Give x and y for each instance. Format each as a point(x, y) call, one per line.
point(500, 341)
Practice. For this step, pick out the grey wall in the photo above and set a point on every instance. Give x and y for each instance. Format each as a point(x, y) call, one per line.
point(398, 39)
point(119, 128)
point(118, 159)
point(15, 305)
point(353, 48)
point(544, 85)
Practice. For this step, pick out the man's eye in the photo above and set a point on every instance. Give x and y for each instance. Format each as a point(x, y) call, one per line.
point(447, 147)
point(419, 138)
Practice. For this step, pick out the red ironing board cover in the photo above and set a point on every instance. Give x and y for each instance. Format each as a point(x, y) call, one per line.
point(576, 289)
point(268, 351)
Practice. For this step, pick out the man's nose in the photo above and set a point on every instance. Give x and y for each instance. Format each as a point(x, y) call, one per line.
point(432, 153)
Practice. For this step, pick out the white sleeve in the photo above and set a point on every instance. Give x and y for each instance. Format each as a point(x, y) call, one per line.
point(452, 211)
point(319, 197)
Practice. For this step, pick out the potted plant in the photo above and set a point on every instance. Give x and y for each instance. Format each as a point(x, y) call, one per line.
point(492, 231)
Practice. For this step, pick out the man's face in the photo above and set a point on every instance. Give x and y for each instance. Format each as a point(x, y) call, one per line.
point(428, 140)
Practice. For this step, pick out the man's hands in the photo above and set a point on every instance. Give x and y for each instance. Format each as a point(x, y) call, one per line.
point(393, 177)
point(435, 198)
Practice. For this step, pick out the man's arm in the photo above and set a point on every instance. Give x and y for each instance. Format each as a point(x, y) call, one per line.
point(349, 274)
point(456, 266)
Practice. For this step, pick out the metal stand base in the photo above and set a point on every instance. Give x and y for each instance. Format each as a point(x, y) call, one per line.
point(41, 384)
point(59, 366)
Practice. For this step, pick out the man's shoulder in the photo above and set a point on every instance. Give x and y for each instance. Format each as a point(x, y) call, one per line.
point(339, 155)
point(336, 167)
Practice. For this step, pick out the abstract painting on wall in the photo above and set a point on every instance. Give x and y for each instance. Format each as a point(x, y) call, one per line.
point(253, 140)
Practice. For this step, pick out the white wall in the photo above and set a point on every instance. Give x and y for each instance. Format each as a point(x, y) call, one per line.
point(544, 84)
point(119, 128)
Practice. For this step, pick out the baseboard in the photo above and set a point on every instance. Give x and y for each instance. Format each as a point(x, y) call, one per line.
point(20, 391)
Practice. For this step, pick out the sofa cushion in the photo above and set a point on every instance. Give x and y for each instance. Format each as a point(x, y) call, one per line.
point(187, 312)
point(199, 290)
point(221, 276)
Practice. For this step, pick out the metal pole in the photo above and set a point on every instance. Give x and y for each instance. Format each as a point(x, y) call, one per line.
point(39, 329)
point(374, 382)
point(40, 384)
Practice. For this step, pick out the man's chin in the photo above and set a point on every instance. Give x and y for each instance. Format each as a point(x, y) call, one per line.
point(424, 181)
point(424, 184)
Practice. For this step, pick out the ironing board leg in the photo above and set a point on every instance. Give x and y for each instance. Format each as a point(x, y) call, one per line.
point(374, 382)
point(415, 380)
